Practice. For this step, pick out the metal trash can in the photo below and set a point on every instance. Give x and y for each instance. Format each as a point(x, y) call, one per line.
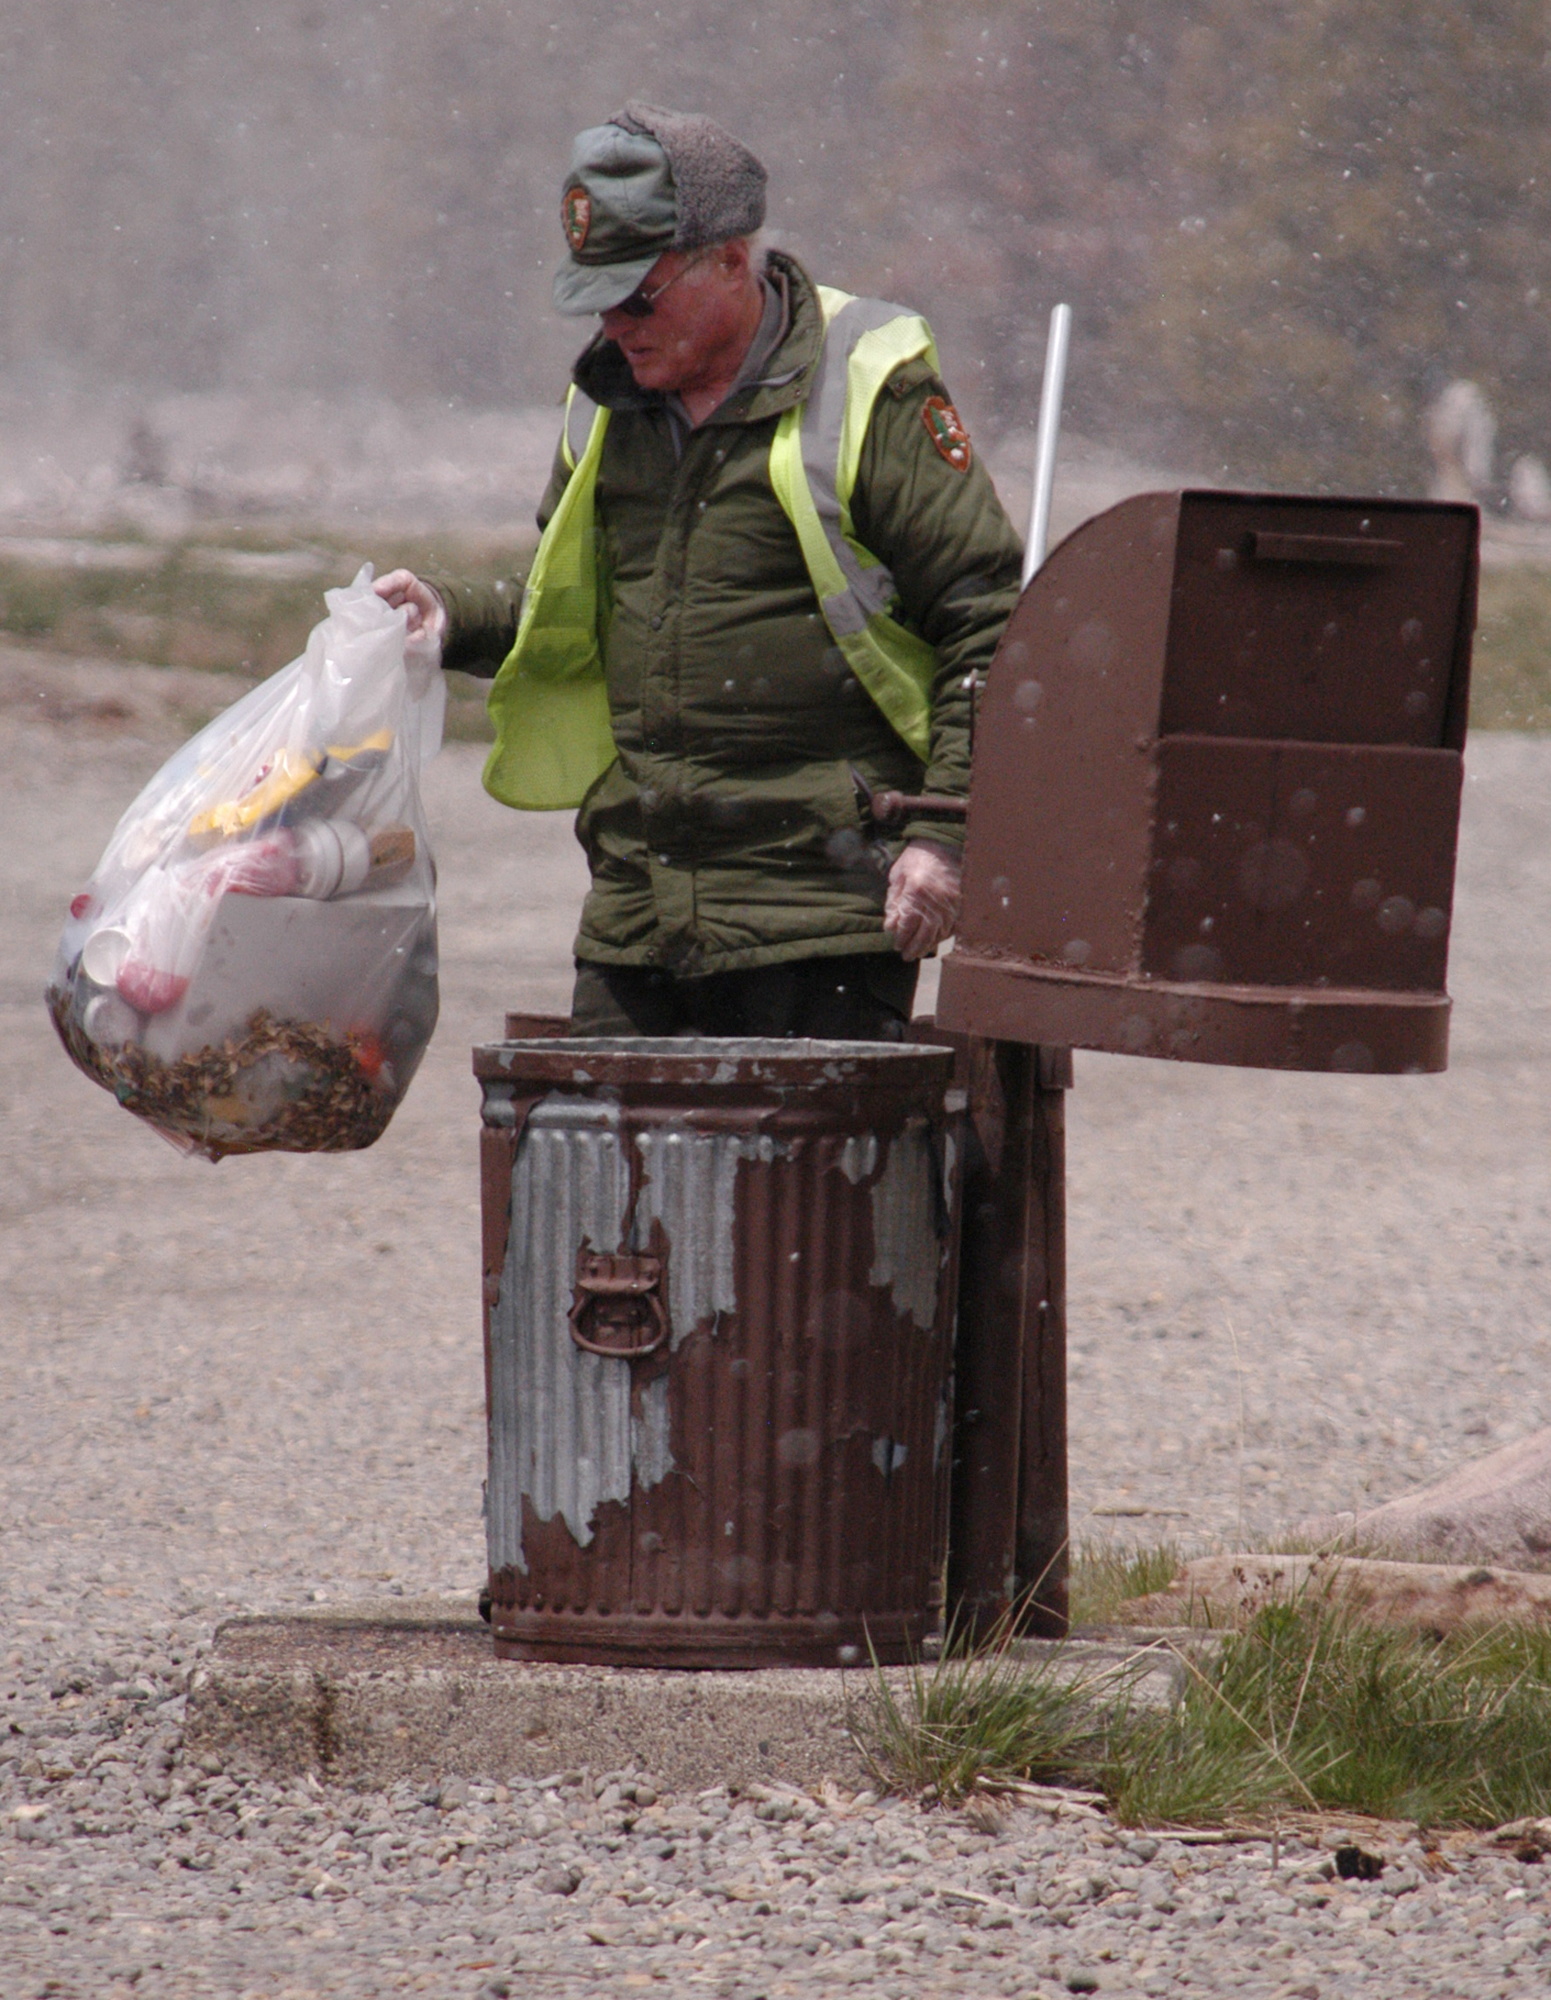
point(719, 1295)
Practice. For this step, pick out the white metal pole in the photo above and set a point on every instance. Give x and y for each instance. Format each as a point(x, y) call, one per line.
point(1045, 446)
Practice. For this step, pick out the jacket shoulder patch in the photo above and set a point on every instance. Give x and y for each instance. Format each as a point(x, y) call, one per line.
point(947, 433)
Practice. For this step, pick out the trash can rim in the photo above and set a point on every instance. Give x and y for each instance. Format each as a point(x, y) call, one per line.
point(764, 1048)
point(710, 1061)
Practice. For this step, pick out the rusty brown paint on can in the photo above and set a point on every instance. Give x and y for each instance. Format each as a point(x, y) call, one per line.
point(523, 1027)
point(765, 1483)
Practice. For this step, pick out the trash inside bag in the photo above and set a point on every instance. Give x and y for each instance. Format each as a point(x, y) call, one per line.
point(252, 966)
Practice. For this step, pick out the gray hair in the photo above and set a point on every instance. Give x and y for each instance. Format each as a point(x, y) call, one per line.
point(760, 247)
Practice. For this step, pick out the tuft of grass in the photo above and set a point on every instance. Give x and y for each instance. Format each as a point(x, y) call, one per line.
point(1103, 1577)
point(1306, 1708)
point(1309, 1708)
point(977, 1719)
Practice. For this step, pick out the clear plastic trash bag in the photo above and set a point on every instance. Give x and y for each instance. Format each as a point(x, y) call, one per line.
point(252, 966)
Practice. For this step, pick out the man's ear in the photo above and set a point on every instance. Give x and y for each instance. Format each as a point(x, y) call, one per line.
point(733, 257)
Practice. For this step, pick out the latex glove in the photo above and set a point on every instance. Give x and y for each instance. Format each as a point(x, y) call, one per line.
point(922, 905)
point(426, 630)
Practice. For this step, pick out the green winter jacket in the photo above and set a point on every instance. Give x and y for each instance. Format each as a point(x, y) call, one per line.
point(727, 834)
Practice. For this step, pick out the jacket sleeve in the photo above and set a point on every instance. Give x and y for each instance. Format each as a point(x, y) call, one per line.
point(482, 617)
point(954, 555)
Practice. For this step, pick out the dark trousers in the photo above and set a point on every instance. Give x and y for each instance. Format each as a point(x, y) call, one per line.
point(863, 998)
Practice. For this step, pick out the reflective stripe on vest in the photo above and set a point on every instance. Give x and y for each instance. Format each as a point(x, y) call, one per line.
point(814, 462)
point(577, 428)
point(549, 702)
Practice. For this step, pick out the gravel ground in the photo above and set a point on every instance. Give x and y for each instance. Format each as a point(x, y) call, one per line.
point(138, 1879)
point(259, 1385)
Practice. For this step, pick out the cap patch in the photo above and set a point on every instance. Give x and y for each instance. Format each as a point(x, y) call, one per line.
point(947, 433)
point(576, 215)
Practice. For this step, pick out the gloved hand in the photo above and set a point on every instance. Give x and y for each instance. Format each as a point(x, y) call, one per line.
point(426, 631)
point(922, 905)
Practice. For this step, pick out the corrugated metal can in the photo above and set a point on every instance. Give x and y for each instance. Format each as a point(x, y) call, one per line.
point(719, 1283)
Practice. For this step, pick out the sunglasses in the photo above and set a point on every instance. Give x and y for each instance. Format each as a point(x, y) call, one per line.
point(641, 303)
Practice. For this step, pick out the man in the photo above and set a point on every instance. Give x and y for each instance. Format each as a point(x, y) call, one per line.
point(771, 566)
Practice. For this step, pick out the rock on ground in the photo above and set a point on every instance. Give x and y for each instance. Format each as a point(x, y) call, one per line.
point(1434, 1597)
point(1497, 1510)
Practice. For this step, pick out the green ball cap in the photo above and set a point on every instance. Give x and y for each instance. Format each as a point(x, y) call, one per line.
point(619, 211)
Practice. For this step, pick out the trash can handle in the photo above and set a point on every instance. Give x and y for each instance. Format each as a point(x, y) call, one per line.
point(625, 1275)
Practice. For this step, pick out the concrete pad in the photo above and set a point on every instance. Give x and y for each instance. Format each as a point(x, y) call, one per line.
point(373, 1693)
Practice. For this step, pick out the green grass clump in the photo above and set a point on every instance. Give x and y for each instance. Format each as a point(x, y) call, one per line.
point(1306, 1708)
point(1104, 1577)
point(976, 1719)
point(1310, 1708)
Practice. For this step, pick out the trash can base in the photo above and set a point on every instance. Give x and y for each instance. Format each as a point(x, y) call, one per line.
point(707, 1643)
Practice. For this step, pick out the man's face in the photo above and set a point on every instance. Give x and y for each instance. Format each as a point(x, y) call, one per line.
point(695, 314)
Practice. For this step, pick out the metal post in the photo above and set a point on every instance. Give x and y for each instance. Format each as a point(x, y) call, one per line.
point(1044, 1523)
point(1008, 1521)
point(1008, 1528)
point(1050, 393)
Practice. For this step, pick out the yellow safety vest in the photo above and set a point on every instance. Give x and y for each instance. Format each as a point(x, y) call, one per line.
point(549, 702)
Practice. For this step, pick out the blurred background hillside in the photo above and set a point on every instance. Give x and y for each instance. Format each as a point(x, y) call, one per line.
point(284, 271)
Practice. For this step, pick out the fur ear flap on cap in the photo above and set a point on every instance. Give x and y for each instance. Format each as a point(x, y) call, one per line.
point(718, 183)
